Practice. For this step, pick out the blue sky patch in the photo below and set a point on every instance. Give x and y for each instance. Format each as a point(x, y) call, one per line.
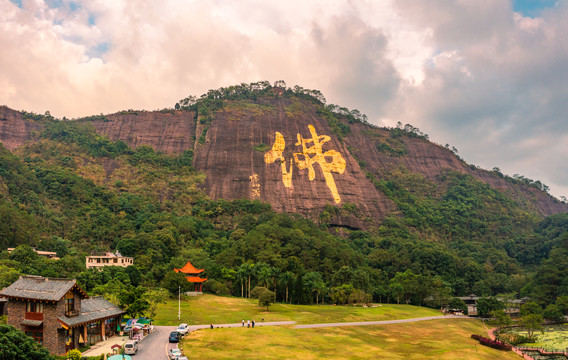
point(17, 2)
point(54, 3)
point(99, 50)
point(74, 6)
point(92, 20)
point(532, 8)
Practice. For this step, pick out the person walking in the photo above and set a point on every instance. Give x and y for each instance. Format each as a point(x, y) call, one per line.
point(243, 322)
point(248, 323)
point(253, 324)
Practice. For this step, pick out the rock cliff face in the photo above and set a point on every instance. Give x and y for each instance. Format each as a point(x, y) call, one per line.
point(14, 129)
point(169, 132)
point(281, 150)
point(266, 154)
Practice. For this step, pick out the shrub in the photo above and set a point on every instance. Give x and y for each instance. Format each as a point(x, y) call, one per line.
point(74, 354)
point(492, 343)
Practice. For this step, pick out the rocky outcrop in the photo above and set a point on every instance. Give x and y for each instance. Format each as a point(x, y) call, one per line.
point(235, 158)
point(14, 129)
point(166, 131)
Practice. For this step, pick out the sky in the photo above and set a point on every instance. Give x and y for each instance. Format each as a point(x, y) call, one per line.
point(489, 77)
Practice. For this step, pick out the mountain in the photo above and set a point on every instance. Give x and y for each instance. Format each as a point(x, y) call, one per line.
point(235, 145)
point(273, 176)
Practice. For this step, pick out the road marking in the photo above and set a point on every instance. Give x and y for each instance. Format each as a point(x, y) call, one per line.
point(167, 356)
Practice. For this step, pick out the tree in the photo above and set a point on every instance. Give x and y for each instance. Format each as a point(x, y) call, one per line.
point(133, 301)
point(8, 276)
point(562, 303)
point(274, 273)
point(500, 318)
point(359, 296)
point(340, 294)
point(530, 308)
point(175, 282)
point(286, 279)
point(266, 298)
point(486, 305)
point(15, 345)
point(553, 313)
point(395, 290)
point(532, 323)
point(264, 274)
point(155, 298)
point(314, 281)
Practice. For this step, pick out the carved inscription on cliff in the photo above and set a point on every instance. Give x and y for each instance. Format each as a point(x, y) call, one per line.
point(330, 161)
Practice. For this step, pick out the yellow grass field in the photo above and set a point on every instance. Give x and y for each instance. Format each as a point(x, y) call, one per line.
point(210, 309)
point(434, 339)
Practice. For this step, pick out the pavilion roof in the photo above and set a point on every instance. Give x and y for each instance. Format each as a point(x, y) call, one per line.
point(189, 269)
point(195, 279)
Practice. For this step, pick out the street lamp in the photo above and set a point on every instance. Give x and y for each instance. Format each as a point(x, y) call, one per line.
point(179, 302)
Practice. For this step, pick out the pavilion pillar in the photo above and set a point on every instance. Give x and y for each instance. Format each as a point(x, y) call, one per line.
point(103, 329)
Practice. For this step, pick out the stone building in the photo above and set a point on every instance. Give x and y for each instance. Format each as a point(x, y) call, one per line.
point(58, 314)
point(108, 259)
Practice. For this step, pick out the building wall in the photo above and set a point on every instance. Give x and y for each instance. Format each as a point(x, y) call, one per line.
point(91, 261)
point(51, 326)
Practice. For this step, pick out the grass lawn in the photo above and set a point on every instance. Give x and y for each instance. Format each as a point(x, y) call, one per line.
point(434, 339)
point(210, 309)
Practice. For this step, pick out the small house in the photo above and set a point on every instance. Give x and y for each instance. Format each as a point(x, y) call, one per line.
point(58, 314)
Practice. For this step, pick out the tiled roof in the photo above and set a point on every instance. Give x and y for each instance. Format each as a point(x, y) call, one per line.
point(40, 288)
point(92, 309)
point(189, 269)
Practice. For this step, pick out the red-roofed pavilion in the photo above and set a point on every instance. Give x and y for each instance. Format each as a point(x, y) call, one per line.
point(192, 276)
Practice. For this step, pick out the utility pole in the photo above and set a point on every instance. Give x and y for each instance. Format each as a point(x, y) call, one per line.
point(179, 302)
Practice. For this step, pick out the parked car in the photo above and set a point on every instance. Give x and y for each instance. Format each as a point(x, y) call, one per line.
point(182, 329)
point(174, 353)
point(131, 347)
point(174, 337)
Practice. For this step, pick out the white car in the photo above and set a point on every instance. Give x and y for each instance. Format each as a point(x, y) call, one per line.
point(182, 329)
point(182, 358)
point(174, 353)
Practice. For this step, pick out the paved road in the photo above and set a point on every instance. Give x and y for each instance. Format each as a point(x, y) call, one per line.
point(383, 322)
point(156, 345)
point(268, 323)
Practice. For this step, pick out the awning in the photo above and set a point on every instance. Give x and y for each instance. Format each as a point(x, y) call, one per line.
point(28, 322)
point(144, 321)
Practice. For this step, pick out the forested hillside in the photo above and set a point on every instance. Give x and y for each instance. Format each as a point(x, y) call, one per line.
point(421, 232)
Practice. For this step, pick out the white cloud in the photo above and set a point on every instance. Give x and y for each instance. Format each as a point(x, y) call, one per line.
point(470, 73)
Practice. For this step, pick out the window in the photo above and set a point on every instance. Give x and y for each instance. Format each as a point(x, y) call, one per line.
point(36, 334)
point(69, 305)
point(34, 307)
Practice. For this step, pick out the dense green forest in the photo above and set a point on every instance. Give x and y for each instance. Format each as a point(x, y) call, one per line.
point(452, 240)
